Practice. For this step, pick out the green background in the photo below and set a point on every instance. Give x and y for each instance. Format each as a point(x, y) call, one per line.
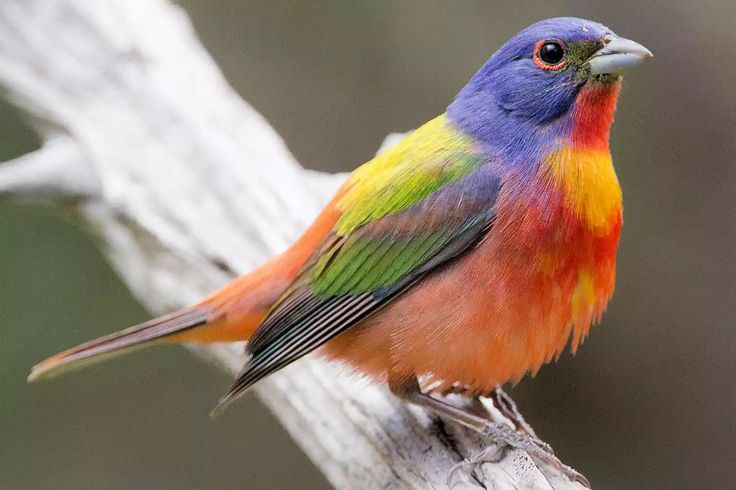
point(647, 402)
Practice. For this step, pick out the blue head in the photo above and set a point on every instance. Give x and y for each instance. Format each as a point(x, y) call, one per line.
point(530, 85)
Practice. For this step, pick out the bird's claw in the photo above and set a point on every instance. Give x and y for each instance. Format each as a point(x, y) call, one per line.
point(537, 449)
point(548, 458)
point(571, 474)
point(460, 473)
point(543, 446)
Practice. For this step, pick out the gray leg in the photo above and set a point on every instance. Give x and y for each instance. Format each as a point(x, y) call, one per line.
point(502, 434)
point(503, 403)
point(507, 407)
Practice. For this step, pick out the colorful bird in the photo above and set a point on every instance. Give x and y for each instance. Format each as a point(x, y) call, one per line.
point(462, 258)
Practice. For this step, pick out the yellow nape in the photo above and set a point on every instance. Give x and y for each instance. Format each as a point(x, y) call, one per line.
point(589, 184)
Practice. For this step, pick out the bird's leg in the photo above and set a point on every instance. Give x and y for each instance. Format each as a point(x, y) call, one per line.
point(505, 405)
point(503, 402)
point(503, 435)
point(500, 433)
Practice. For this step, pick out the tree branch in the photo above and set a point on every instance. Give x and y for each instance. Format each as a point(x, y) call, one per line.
point(186, 186)
point(57, 171)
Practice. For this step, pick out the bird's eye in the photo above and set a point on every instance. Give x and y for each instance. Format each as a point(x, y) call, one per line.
point(550, 55)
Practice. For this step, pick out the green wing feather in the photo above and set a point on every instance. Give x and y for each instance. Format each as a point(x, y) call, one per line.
point(419, 166)
point(423, 162)
point(405, 213)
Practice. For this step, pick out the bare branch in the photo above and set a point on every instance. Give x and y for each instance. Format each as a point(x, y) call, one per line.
point(57, 171)
point(188, 186)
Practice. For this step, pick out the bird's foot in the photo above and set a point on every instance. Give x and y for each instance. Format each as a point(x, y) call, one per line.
point(538, 450)
point(503, 434)
point(460, 473)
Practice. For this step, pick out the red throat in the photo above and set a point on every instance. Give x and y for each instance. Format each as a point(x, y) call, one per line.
point(594, 109)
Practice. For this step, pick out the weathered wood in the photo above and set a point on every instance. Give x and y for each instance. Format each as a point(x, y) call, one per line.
point(186, 186)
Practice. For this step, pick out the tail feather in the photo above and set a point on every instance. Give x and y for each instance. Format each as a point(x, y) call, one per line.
point(120, 342)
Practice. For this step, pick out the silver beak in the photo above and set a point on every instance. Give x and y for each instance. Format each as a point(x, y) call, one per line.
point(616, 55)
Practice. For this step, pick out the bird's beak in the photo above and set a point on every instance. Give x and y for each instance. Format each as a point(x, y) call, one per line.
point(616, 55)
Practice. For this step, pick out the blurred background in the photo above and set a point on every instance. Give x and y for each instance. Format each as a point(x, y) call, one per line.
point(647, 402)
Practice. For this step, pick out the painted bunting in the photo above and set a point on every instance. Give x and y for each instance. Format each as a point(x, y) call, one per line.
point(462, 258)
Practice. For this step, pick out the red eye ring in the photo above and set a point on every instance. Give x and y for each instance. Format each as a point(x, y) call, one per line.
point(544, 65)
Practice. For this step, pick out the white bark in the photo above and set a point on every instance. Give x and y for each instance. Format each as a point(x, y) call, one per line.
point(185, 186)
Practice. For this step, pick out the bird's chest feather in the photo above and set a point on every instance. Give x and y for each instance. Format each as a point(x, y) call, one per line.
point(550, 260)
point(545, 269)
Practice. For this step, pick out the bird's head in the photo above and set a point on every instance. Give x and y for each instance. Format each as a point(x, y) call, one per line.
point(534, 80)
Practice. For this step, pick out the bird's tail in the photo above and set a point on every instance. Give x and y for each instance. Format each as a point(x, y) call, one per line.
point(156, 330)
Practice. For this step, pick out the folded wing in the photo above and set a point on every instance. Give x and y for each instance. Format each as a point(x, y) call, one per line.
point(406, 213)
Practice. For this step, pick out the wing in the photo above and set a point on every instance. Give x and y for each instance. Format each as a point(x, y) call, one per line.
point(404, 214)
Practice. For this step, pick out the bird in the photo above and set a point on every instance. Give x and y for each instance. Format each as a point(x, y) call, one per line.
point(463, 258)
